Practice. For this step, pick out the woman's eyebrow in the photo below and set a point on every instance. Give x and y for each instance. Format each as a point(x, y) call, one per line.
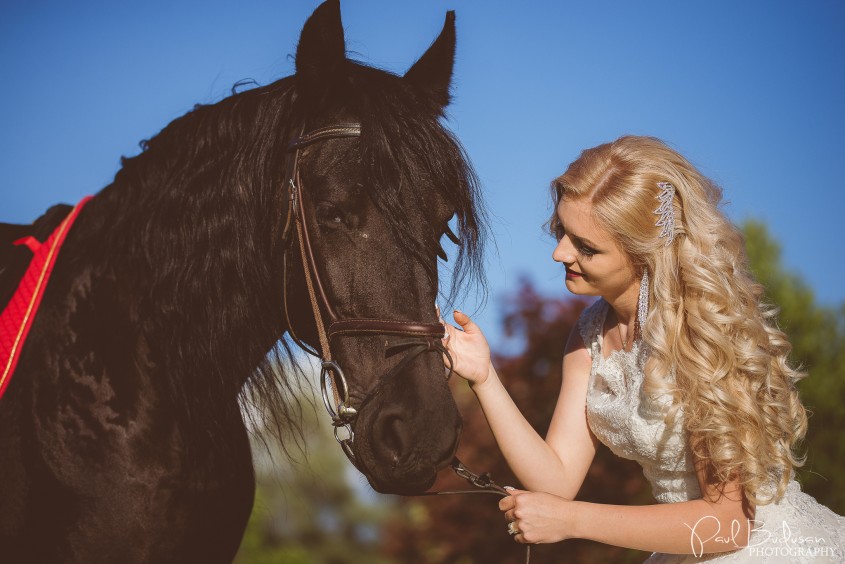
point(583, 240)
point(574, 236)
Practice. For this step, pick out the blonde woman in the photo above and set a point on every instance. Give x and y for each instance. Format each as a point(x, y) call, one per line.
point(678, 366)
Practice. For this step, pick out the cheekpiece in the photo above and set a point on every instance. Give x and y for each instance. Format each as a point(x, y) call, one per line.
point(666, 212)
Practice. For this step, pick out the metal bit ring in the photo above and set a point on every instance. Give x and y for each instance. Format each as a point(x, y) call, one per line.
point(329, 367)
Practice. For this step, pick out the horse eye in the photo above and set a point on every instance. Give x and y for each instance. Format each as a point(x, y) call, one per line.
point(329, 215)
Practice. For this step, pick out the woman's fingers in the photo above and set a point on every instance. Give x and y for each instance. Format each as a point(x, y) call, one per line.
point(448, 341)
point(467, 324)
point(449, 334)
point(463, 320)
point(506, 503)
point(467, 347)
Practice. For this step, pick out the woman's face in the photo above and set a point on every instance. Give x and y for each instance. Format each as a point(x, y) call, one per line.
point(595, 265)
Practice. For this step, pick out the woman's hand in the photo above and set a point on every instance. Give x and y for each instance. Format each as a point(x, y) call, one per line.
point(468, 348)
point(538, 517)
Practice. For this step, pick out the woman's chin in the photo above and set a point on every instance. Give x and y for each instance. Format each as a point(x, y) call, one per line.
point(575, 285)
point(580, 287)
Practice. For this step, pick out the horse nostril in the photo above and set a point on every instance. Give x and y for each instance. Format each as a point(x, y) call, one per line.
point(390, 437)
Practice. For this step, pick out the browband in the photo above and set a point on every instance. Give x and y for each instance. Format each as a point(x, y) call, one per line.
point(328, 132)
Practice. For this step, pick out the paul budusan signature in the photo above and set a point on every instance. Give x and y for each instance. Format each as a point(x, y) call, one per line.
point(764, 536)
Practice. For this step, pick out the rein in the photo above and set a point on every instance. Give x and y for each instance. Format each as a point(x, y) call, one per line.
point(483, 483)
point(418, 338)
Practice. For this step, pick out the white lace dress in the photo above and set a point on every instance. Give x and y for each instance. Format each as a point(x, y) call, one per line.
point(796, 529)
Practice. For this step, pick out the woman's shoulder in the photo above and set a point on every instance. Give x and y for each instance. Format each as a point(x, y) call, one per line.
point(590, 322)
point(593, 313)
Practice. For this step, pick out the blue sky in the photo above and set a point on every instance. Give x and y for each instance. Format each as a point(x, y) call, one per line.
point(752, 92)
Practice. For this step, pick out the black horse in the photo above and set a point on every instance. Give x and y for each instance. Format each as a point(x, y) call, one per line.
point(122, 434)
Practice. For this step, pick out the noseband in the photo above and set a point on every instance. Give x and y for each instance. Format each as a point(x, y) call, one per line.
point(416, 337)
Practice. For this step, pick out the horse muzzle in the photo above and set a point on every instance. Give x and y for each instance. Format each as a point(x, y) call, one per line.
point(400, 448)
point(405, 430)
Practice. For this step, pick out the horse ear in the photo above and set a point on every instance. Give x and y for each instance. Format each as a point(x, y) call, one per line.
point(433, 71)
point(321, 50)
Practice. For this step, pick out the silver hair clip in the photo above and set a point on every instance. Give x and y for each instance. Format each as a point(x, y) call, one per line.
point(666, 212)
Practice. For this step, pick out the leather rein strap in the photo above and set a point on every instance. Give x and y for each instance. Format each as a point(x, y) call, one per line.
point(483, 483)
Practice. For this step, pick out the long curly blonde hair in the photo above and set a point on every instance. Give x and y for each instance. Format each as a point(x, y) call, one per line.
point(715, 346)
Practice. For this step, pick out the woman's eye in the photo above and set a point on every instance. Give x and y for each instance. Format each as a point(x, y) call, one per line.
point(587, 251)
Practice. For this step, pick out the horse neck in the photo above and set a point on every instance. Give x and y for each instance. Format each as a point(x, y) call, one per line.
point(204, 271)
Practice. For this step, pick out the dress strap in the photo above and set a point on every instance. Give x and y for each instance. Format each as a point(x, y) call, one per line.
point(590, 323)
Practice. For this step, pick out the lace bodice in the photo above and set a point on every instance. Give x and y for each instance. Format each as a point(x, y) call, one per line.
point(630, 423)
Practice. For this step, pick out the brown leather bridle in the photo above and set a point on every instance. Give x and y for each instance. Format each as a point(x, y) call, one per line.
point(418, 337)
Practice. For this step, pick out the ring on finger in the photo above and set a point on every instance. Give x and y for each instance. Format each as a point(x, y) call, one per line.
point(512, 529)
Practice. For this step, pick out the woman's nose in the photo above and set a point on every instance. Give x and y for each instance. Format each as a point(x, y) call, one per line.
point(564, 252)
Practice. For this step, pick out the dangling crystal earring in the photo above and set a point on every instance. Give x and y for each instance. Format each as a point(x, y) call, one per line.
point(642, 302)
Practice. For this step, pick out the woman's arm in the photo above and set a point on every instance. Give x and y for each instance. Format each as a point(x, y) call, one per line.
point(720, 521)
point(557, 465)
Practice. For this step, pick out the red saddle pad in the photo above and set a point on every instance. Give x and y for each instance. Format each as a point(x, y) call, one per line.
point(16, 319)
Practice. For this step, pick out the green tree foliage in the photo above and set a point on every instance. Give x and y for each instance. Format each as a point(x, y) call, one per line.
point(308, 508)
point(817, 334)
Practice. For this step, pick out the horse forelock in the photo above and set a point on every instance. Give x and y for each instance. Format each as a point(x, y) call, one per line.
point(407, 153)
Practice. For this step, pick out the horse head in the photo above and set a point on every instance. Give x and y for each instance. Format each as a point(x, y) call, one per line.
point(375, 181)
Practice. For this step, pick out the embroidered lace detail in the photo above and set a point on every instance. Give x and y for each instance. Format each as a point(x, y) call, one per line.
point(631, 424)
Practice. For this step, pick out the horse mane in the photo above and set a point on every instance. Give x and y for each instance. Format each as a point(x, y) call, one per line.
point(206, 186)
point(230, 156)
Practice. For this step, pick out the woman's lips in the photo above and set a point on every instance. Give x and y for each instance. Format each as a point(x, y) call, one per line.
point(570, 275)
